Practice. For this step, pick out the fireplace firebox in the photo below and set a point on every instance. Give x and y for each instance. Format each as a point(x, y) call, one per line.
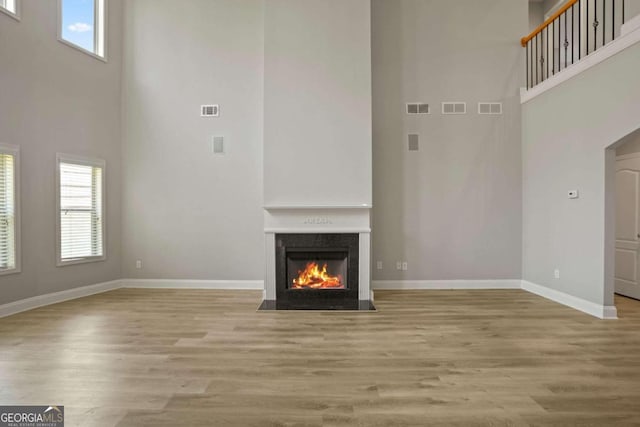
point(317, 271)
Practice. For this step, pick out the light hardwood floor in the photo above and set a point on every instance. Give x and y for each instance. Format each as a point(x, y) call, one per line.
point(428, 358)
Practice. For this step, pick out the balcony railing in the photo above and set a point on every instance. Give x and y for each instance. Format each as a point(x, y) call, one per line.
point(577, 29)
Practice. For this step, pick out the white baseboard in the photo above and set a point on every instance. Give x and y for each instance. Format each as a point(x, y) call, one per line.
point(597, 310)
point(445, 284)
point(256, 285)
point(57, 297)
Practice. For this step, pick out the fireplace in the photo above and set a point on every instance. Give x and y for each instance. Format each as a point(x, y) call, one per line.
point(317, 258)
point(317, 271)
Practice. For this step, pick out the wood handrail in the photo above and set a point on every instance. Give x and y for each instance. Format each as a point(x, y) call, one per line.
point(546, 23)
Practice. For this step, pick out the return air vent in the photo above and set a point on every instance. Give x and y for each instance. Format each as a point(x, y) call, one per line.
point(210, 111)
point(414, 142)
point(454, 108)
point(217, 145)
point(492, 108)
point(418, 108)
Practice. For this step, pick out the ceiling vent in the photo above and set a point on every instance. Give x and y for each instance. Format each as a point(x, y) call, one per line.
point(210, 111)
point(490, 108)
point(454, 108)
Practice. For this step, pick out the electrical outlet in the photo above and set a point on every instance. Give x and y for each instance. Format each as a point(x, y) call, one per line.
point(405, 266)
point(556, 273)
point(398, 265)
point(138, 264)
point(379, 265)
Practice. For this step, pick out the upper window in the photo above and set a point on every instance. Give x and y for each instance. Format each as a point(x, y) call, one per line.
point(82, 25)
point(10, 7)
point(9, 210)
point(80, 217)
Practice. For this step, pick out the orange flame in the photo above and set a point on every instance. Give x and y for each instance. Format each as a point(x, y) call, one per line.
point(313, 277)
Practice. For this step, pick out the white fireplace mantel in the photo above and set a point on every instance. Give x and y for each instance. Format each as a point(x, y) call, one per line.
point(300, 219)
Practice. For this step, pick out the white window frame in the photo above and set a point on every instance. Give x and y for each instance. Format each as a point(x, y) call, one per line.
point(85, 161)
point(15, 152)
point(15, 15)
point(99, 31)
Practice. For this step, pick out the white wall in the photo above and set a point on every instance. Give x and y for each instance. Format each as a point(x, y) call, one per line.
point(187, 213)
point(564, 143)
point(54, 98)
point(317, 134)
point(453, 209)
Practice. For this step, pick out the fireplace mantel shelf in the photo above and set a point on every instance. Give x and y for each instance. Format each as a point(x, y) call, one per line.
point(307, 207)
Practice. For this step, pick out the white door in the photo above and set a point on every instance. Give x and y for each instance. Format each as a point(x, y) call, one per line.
point(628, 227)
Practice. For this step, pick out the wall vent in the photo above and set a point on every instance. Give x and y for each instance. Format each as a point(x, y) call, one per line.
point(493, 108)
point(418, 108)
point(414, 142)
point(210, 111)
point(454, 108)
point(217, 145)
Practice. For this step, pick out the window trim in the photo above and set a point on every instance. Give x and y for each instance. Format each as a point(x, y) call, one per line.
point(15, 151)
point(100, 32)
point(13, 15)
point(85, 161)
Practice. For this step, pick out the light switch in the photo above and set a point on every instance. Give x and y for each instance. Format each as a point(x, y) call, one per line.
point(573, 194)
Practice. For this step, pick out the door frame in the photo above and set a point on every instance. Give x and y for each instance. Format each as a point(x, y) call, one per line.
point(630, 156)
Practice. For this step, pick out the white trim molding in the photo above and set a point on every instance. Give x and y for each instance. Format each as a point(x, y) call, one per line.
point(445, 284)
point(612, 48)
point(597, 310)
point(628, 156)
point(57, 297)
point(588, 307)
point(15, 14)
point(239, 285)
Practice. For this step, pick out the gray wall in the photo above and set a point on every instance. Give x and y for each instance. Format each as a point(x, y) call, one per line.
point(629, 144)
point(187, 213)
point(54, 98)
point(317, 137)
point(632, 8)
point(536, 15)
point(453, 209)
point(564, 143)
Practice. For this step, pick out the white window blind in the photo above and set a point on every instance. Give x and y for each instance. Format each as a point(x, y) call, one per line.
point(7, 211)
point(9, 5)
point(81, 222)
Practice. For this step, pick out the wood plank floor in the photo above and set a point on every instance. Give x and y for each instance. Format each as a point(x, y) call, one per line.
point(428, 358)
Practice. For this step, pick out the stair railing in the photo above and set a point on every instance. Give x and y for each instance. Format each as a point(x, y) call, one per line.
point(577, 29)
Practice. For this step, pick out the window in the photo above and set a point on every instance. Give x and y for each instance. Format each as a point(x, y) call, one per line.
point(82, 24)
point(11, 8)
point(9, 209)
point(80, 210)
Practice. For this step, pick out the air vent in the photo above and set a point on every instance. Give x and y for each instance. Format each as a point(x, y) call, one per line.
point(414, 142)
point(454, 108)
point(217, 145)
point(493, 108)
point(210, 111)
point(418, 108)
